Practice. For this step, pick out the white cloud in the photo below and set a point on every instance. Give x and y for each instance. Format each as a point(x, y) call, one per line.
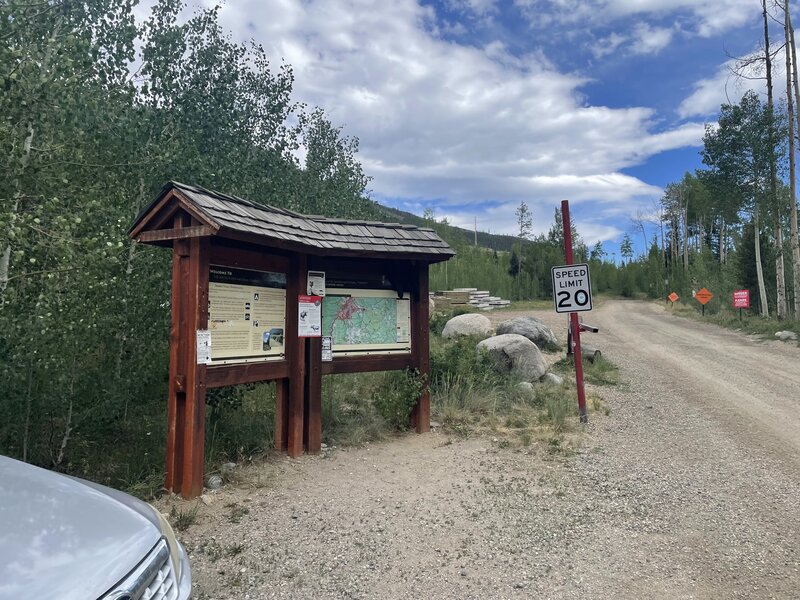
point(463, 124)
point(608, 45)
point(651, 40)
point(593, 232)
point(728, 85)
point(706, 17)
point(477, 7)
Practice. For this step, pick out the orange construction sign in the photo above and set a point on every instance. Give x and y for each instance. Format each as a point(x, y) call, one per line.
point(703, 296)
point(673, 297)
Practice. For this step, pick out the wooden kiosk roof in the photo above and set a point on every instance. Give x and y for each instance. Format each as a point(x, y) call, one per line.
point(236, 218)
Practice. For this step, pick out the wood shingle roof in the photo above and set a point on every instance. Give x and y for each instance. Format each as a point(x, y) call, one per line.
point(229, 216)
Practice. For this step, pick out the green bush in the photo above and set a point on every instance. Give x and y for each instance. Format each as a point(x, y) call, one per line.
point(449, 358)
point(397, 397)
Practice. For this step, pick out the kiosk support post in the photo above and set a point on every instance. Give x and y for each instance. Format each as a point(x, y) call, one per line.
point(187, 387)
point(420, 343)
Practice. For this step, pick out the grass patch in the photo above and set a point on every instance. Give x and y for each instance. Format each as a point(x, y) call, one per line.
point(750, 322)
point(349, 417)
point(469, 398)
point(600, 372)
point(527, 305)
point(183, 519)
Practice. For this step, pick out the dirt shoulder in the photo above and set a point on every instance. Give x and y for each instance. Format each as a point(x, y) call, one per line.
point(687, 490)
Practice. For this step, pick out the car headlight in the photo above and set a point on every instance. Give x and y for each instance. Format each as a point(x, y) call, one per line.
point(172, 542)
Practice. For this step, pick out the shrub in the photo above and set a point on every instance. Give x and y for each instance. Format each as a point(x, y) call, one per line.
point(398, 395)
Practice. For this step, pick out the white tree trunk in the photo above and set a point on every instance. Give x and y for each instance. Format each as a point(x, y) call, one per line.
point(5, 259)
point(762, 290)
point(793, 239)
point(780, 273)
point(686, 236)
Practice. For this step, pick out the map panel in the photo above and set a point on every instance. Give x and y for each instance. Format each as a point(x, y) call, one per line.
point(359, 320)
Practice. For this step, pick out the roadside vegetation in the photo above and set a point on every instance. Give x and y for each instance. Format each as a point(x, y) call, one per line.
point(730, 318)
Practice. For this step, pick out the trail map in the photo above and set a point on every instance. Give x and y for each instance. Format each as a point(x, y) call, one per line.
point(351, 320)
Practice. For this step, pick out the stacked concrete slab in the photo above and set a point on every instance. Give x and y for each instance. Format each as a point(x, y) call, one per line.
point(473, 297)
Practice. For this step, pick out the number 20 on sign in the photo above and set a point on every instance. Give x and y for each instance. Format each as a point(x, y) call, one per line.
point(572, 289)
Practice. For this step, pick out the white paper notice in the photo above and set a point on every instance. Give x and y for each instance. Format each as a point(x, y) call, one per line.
point(327, 348)
point(309, 316)
point(316, 283)
point(203, 347)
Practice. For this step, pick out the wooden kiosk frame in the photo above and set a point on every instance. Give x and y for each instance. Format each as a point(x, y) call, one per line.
point(206, 228)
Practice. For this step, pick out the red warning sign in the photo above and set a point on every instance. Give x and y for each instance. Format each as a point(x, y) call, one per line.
point(741, 299)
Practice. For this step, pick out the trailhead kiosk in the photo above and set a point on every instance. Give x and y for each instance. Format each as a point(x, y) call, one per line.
point(266, 294)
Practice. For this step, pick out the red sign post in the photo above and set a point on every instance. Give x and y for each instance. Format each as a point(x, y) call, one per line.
point(573, 316)
point(741, 299)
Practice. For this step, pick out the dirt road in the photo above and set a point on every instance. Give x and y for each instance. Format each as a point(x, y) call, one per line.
point(689, 489)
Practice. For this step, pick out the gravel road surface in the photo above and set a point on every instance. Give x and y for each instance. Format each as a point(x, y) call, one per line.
point(689, 489)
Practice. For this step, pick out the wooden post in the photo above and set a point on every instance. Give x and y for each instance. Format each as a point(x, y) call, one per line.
point(176, 402)
point(281, 413)
point(420, 348)
point(295, 354)
point(314, 395)
point(187, 388)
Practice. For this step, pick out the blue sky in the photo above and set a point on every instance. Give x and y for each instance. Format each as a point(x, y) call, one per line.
point(470, 107)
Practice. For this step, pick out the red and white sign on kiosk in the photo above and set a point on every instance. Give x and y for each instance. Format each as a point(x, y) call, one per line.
point(741, 299)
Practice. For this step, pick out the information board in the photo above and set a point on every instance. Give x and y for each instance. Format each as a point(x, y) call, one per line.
point(367, 321)
point(246, 314)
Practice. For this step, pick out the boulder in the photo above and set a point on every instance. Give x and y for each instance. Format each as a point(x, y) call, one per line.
point(552, 379)
point(525, 386)
point(785, 336)
point(533, 329)
point(469, 324)
point(513, 353)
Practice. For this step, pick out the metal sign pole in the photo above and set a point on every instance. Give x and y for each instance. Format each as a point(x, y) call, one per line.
point(574, 327)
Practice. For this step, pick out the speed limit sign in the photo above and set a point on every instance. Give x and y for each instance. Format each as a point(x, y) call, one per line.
point(572, 289)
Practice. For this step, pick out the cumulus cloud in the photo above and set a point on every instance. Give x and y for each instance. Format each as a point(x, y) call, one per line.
point(594, 232)
point(728, 84)
point(651, 40)
point(475, 127)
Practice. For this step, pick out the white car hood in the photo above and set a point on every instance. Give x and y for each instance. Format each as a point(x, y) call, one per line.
point(60, 538)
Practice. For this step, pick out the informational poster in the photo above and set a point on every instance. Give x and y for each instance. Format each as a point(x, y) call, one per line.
point(327, 348)
point(246, 314)
point(203, 347)
point(403, 321)
point(316, 283)
point(367, 321)
point(309, 316)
